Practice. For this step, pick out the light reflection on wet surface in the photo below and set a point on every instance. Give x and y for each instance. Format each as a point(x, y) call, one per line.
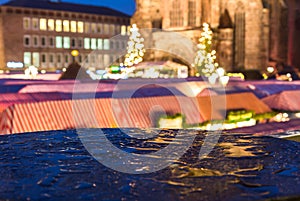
point(55, 165)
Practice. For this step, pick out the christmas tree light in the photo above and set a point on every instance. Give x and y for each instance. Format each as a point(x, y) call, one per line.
point(135, 48)
point(205, 59)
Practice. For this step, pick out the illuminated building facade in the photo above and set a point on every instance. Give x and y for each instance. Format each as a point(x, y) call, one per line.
point(44, 33)
point(247, 34)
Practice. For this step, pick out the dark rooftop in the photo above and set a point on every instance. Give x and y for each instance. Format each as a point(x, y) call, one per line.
point(63, 6)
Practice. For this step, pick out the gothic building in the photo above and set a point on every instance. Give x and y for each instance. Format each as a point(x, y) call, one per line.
point(247, 34)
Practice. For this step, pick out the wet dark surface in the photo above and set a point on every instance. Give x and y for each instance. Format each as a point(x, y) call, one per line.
point(55, 166)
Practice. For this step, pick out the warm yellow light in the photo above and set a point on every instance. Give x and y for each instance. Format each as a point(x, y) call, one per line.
point(270, 69)
point(74, 53)
point(43, 24)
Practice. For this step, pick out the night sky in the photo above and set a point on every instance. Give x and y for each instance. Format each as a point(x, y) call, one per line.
point(125, 6)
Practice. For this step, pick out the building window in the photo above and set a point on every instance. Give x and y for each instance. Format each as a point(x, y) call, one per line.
point(27, 58)
point(26, 41)
point(26, 23)
point(128, 30)
point(43, 58)
point(106, 44)
point(35, 41)
point(79, 42)
point(123, 30)
point(106, 28)
point(176, 14)
point(106, 60)
point(66, 42)
point(51, 26)
point(86, 43)
point(94, 28)
point(87, 27)
point(100, 44)
point(43, 24)
point(58, 58)
point(36, 59)
point(80, 27)
point(51, 58)
point(80, 58)
point(66, 25)
point(73, 43)
point(118, 29)
point(73, 26)
point(192, 13)
point(59, 42)
point(93, 59)
point(117, 46)
point(240, 27)
point(112, 44)
point(111, 29)
point(43, 41)
point(58, 25)
point(51, 41)
point(99, 28)
point(67, 59)
point(93, 43)
point(35, 23)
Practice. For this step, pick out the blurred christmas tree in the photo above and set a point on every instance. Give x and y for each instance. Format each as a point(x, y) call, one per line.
point(205, 58)
point(135, 48)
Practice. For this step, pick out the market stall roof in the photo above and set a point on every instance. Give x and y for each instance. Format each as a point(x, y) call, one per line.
point(286, 101)
point(212, 107)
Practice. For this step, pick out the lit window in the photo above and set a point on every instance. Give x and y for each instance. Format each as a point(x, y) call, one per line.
point(123, 30)
point(73, 43)
point(93, 43)
point(35, 41)
point(36, 59)
point(80, 27)
point(94, 28)
point(86, 43)
point(26, 41)
point(106, 44)
point(26, 23)
point(35, 23)
point(43, 41)
point(59, 41)
point(58, 25)
point(100, 44)
point(128, 30)
point(51, 25)
point(87, 27)
point(99, 28)
point(27, 58)
point(106, 29)
point(51, 41)
point(73, 26)
point(79, 42)
point(66, 42)
point(43, 24)
point(66, 25)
